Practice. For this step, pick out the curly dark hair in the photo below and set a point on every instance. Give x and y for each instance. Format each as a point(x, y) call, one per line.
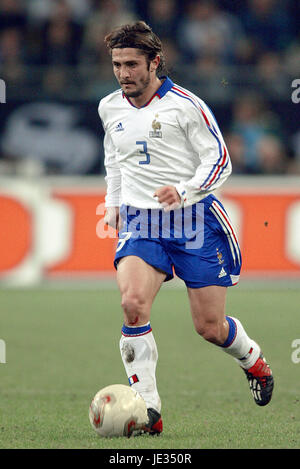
point(138, 35)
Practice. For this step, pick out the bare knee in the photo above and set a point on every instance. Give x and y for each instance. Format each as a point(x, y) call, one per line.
point(212, 331)
point(134, 307)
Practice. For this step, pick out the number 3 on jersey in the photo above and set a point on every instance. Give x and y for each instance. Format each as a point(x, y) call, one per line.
point(144, 152)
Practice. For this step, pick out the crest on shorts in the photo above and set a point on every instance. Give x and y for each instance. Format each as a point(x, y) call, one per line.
point(220, 257)
point(156, 126)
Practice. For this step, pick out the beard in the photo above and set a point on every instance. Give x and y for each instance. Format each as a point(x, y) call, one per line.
point(140, 89)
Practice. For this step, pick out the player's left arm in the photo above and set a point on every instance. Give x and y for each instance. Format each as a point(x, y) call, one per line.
point(206, 139)
point(168, 197)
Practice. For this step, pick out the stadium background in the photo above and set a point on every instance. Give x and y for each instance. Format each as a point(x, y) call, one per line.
point(240, 57)
point(60, 316)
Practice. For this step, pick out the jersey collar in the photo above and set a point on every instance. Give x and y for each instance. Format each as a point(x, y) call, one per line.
point(160, 93)
point(165, 87)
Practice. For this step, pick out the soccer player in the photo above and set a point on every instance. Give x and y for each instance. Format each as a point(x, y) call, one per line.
point(164, 158)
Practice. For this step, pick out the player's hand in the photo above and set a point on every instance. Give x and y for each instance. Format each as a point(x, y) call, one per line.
point(112, 217)
point(168, 197)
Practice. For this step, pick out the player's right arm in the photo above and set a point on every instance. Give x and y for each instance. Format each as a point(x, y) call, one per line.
point(113, 175)
point(112, 217)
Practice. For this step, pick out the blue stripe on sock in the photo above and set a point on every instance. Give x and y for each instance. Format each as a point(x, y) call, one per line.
point(133, 331)
point(231, 333)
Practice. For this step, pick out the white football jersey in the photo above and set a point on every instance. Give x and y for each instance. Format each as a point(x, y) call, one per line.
point(172, 140)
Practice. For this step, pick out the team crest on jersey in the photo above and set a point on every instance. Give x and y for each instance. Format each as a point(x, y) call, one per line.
point(156, 126)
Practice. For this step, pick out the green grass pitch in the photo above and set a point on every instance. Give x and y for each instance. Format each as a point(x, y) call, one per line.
point(62, 346)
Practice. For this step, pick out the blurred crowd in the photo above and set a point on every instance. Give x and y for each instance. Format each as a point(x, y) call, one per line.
point(242, 53)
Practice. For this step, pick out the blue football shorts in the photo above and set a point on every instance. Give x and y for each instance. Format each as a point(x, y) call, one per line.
point(197, 243)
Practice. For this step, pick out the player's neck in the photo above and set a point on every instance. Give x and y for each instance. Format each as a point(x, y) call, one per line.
point(150, 91)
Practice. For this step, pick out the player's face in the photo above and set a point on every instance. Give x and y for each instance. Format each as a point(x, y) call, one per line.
point(132, 71)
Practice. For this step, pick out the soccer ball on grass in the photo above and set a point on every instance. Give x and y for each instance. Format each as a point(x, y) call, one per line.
point(118, 410)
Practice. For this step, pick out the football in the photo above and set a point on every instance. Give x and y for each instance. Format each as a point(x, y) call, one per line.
point(117, 410)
